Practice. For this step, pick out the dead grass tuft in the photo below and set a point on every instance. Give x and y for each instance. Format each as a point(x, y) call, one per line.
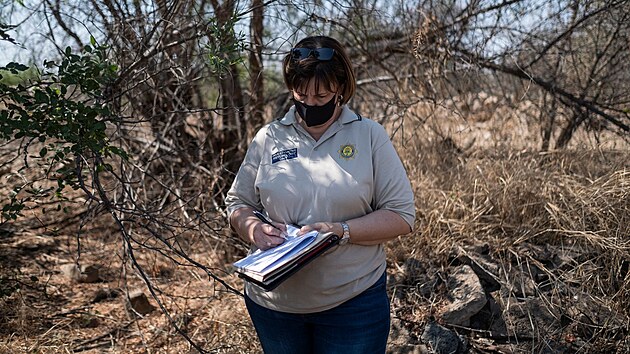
point(567, 213)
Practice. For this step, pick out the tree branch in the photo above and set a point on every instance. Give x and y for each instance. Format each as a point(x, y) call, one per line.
point(549, 87)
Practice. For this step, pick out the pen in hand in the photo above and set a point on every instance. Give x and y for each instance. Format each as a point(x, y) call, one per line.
point(264, 219)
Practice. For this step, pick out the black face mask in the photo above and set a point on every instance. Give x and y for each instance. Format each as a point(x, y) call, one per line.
point(315, 115)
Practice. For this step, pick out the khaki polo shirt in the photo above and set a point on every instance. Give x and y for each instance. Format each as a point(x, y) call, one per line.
point(352, 170)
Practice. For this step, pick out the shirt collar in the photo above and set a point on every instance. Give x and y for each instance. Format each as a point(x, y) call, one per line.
point(347, 116)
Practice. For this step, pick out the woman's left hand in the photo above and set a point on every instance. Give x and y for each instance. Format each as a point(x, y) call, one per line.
point(322, 227)
point(370, 229)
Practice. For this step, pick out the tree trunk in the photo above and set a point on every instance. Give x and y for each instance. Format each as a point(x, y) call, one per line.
point(256, 67)
point(570, 128)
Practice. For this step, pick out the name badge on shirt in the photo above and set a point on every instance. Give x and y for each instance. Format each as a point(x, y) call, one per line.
point(284, 155)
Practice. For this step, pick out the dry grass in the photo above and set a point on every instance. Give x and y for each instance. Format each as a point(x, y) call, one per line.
point(566, 213)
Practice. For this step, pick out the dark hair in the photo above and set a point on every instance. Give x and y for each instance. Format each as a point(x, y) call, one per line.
point(336, 72)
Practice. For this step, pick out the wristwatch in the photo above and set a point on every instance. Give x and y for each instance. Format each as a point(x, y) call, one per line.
point(346, 233)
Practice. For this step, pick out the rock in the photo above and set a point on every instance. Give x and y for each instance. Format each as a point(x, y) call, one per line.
point(416, 275)
point(399, 335)
point(104, 294)
point(408, 349)
point(83, 274)
point(89, 321)
point(485, 270)
point(490, 319)
point(540, 253)
point(71, 271)
point(521, 285)
point(467, 297)
point(89, 274)
point(536, 273)
point(401, 341)
point(138, 304)
point(442, 340)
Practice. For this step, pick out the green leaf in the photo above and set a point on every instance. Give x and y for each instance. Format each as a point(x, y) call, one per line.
point(41, 97)
point(120, 152)
point(43, 152)
point(13, 67)
point(99, 126)
point(93, 41)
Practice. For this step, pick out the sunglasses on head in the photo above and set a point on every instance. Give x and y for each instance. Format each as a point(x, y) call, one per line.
point(323, 54)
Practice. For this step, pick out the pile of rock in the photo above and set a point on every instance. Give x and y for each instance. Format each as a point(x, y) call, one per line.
point(490, 305)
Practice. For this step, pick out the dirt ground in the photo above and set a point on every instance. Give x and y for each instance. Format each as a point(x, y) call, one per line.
point(46, 311)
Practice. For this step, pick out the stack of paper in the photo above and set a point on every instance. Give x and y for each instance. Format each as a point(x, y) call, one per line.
point(270, 267)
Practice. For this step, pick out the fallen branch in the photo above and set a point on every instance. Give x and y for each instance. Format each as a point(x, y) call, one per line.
point(83, 346)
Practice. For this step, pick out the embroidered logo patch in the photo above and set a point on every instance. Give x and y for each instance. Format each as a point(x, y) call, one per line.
point(347, 151)
point(284, 155)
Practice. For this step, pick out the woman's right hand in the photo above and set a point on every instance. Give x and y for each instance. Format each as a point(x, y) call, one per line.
point(265, 236)
point(251, 229)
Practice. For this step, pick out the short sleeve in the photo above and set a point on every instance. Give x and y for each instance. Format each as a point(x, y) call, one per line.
point(392, 189)
point(243, 191)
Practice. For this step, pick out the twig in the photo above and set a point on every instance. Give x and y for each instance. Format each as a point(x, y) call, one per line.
point(84, 345)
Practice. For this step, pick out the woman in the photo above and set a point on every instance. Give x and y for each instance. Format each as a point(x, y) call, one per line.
point(327, 168)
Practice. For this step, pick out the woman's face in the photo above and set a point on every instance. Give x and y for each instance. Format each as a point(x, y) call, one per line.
point(316, 121)
point(309, 95)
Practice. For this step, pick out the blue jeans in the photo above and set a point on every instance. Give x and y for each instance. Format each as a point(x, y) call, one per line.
point(359, 325)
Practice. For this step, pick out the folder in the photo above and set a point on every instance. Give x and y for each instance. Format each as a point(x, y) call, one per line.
point(268, 269)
